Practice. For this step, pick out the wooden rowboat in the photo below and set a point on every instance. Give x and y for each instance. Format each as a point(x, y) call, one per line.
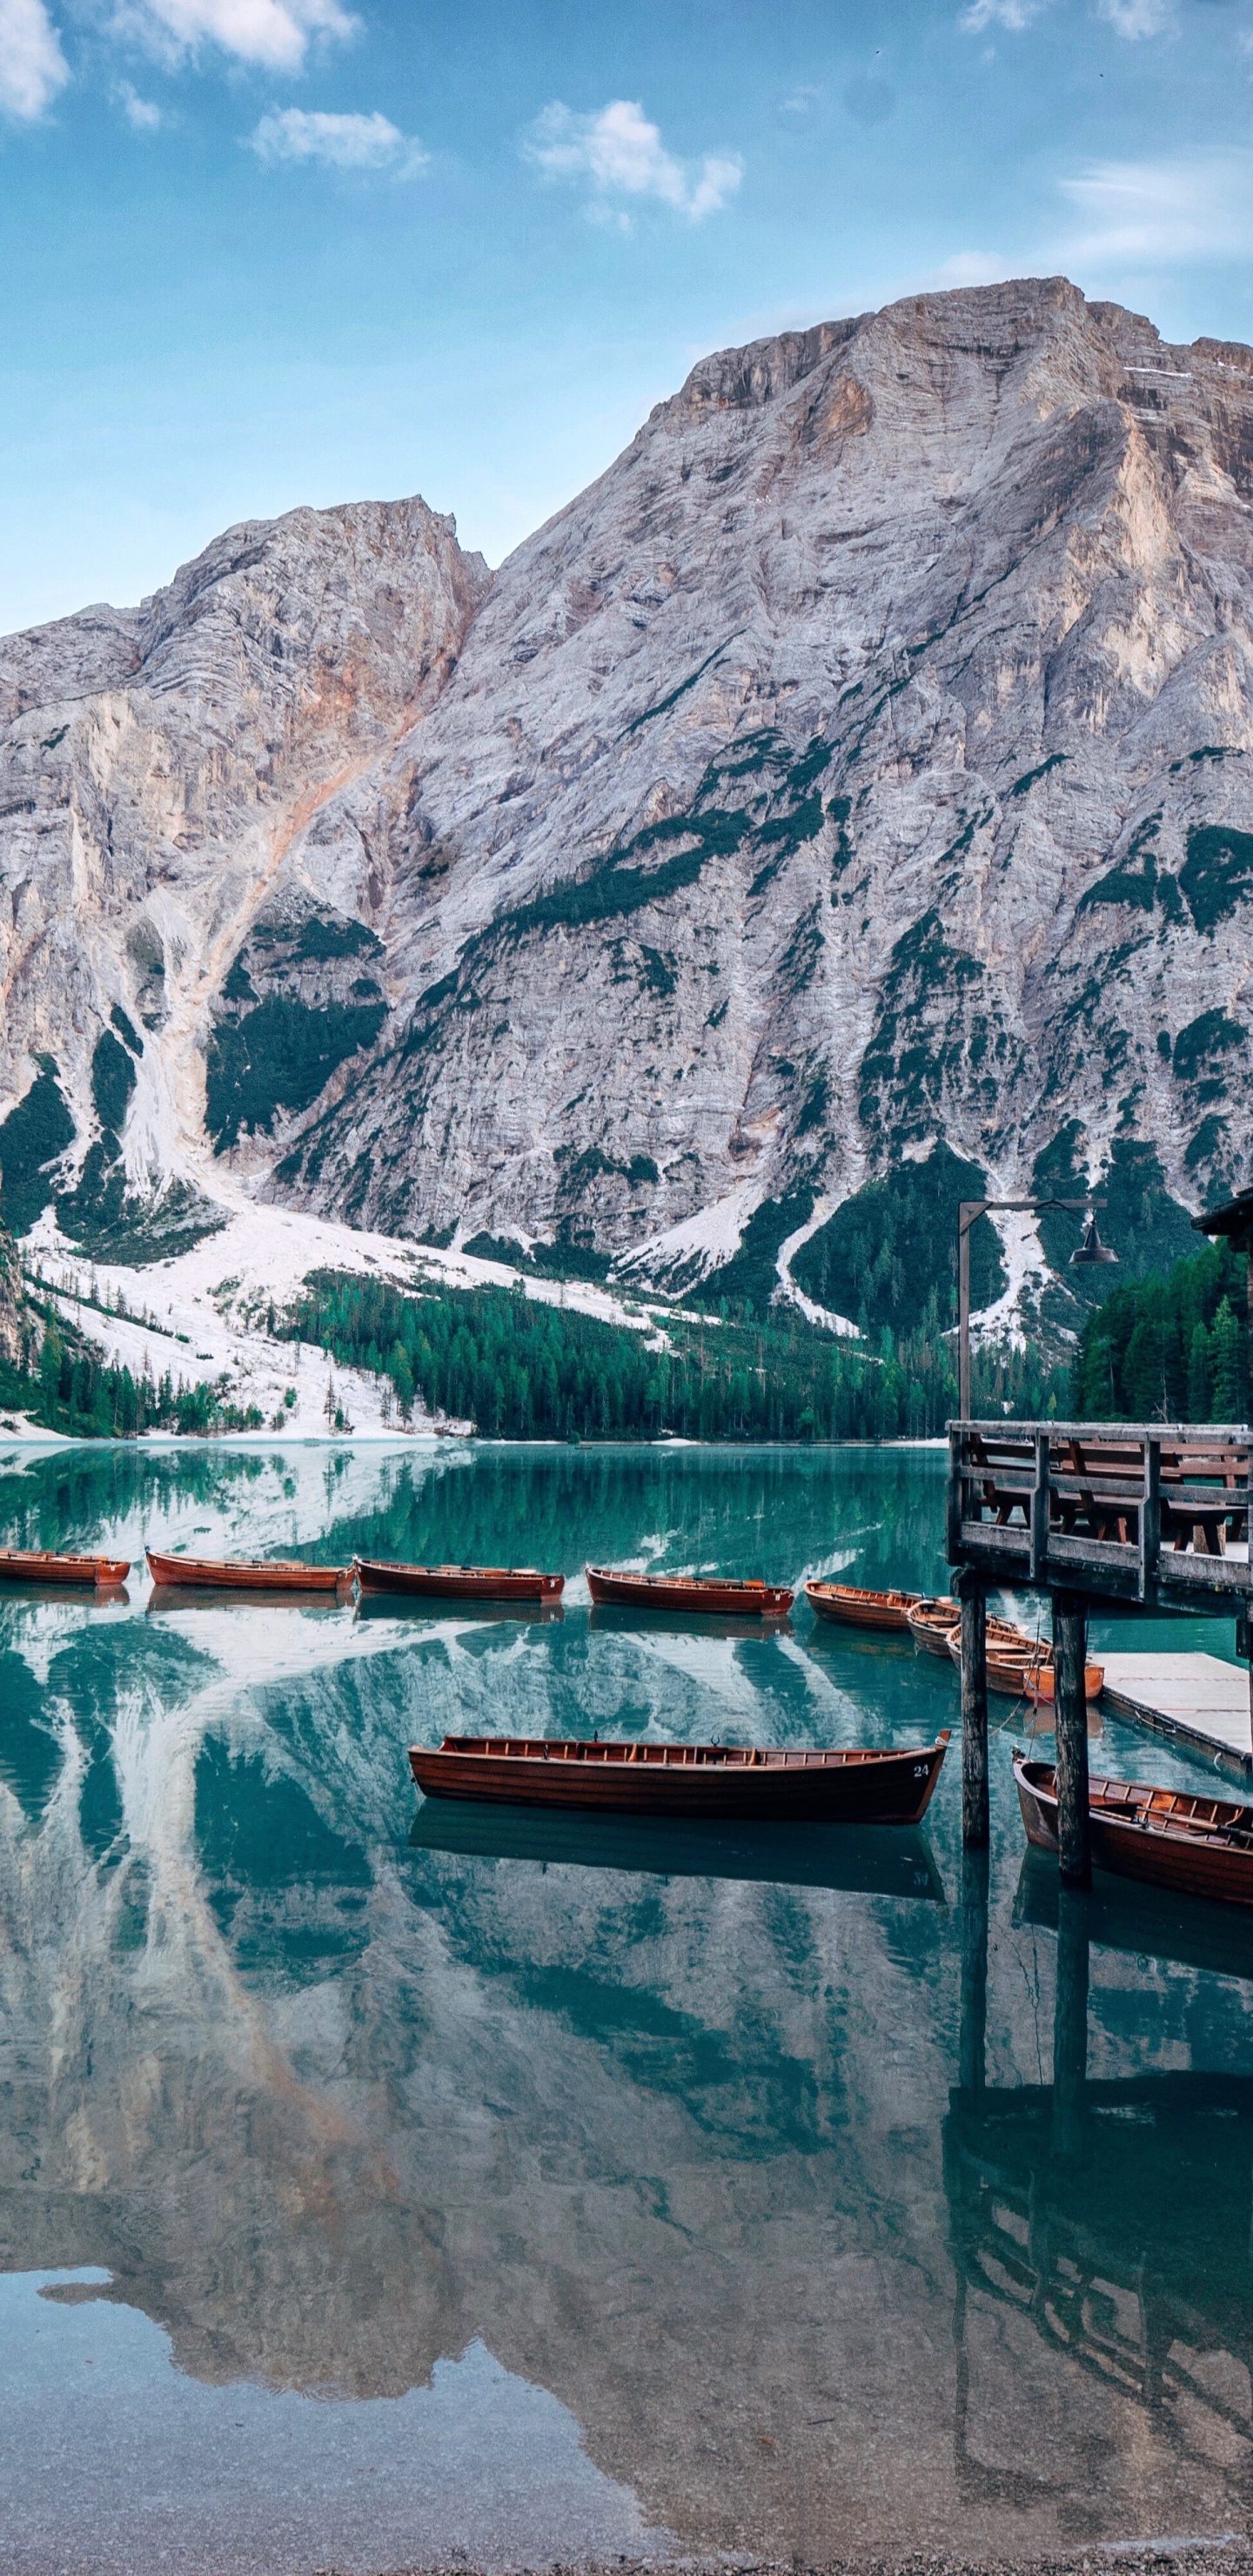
point(752, 1599)
point(730, 1780)
point(1168, 1837)
point(930, 1623)
point(460, 1582)
point(861, 1609)
point(1041, 1684)
point(245, 1574)
point(42, 1565)
point(1020, 1668)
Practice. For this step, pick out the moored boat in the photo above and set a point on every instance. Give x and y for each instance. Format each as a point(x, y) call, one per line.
point(859, 1608)
point(732, 1780)
point(43, 1565)
point(931, 1623)
point(459, 1582)
point(1172, 1838)
point(1003, 1636)
point(245, 1574)
point(1041, 1682)
point(624, 1591)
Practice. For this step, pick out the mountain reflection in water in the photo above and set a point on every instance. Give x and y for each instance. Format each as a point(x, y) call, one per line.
point(741, 2153)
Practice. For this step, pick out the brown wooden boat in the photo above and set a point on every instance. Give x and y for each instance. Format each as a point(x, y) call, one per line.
point(1004, 1639)
point(460, 1582)
point(245, 1574)
point(752, 1599)
point(1170, 1837)
point(1021, 1667)
point(1041, 1683)
point(42, 1565)
point(860, 1609)
point(931, 1622)
point(730, 1780)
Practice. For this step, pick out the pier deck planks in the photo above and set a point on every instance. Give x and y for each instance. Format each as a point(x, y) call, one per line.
point(1198, 1699)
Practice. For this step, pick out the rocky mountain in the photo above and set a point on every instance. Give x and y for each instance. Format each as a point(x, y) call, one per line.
point(838, 807)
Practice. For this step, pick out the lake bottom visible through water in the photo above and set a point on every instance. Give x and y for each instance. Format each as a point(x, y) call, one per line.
point(388, 2184)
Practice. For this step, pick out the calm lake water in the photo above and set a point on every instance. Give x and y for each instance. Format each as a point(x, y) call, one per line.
point(382, 2184)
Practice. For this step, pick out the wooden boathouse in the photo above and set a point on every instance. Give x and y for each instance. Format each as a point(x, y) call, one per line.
point(1152, 1516)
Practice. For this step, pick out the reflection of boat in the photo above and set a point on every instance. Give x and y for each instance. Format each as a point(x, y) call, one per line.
point(1187, 1931)
point(459, 1582)
point(752, 1599)
point(43, 1565)
point(415, 1606)
point(861, 1609)
point(824, 1786)
point(879, 1860)
point(165, 1597)
point(1171, 1838)
point(245, 1574)
point(931, 1623)
point(686, 1623)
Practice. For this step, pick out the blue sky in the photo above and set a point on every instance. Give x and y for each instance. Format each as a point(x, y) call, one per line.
point(260, 252)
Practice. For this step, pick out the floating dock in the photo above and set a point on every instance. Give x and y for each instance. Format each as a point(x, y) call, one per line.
point(1198, 1699)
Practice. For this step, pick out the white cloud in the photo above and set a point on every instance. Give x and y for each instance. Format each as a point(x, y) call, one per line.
point(801, 100)
point(140, 113)
point(1164, 212)
point(343, 142)
point(971, 268)
point(622, 155)
point(275, 33)
point(1014, 14)
point(1136, 17)
point(32, 65)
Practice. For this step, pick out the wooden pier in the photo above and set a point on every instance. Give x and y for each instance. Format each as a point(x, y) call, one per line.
point(1196, 1700)
point(1155, 1516)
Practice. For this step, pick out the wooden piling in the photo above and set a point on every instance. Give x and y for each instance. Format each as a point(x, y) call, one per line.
point(972, 2041)
point(1070, 2021)
point(1070, 1642)
point(974, 1701)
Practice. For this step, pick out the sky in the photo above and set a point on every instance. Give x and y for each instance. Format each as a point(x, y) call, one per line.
point(259, 253)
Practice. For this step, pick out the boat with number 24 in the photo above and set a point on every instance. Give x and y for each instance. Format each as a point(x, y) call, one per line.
point(749, 1782)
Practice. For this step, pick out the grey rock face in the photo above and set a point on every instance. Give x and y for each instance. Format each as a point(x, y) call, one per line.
point(861, 761)
point(158, 772)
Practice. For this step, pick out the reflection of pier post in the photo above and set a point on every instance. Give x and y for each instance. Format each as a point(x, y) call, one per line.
point(1070, 2021)
point(974, 1985)
point(974, 1697)
point(1070, 1655)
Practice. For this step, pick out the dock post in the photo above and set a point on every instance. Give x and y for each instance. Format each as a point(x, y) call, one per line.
point(974, 1699)
point(972, 2042)
point(1070, 2020)
point(1070, 1651)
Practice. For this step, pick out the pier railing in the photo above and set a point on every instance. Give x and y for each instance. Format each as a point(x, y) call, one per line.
point(1154, 1513)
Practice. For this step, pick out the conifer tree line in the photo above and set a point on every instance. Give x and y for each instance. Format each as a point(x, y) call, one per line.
point(519, 1369)
point(1172, 1349)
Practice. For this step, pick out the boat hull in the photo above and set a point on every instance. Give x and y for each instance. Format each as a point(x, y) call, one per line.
point(1190, 1861)
point(38, 1565)
point(203, 1574)
point(459, 1582)
point(685, 1592)
point(842, 1601)
point(932, 1624)
point(735, 1783)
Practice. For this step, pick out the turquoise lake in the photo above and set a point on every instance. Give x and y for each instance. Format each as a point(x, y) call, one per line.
point(382, 2184)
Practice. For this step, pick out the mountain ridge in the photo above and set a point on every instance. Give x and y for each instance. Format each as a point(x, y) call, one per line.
point(855, 768)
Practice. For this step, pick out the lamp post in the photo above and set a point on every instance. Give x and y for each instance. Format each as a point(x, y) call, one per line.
point(1086, 1255)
